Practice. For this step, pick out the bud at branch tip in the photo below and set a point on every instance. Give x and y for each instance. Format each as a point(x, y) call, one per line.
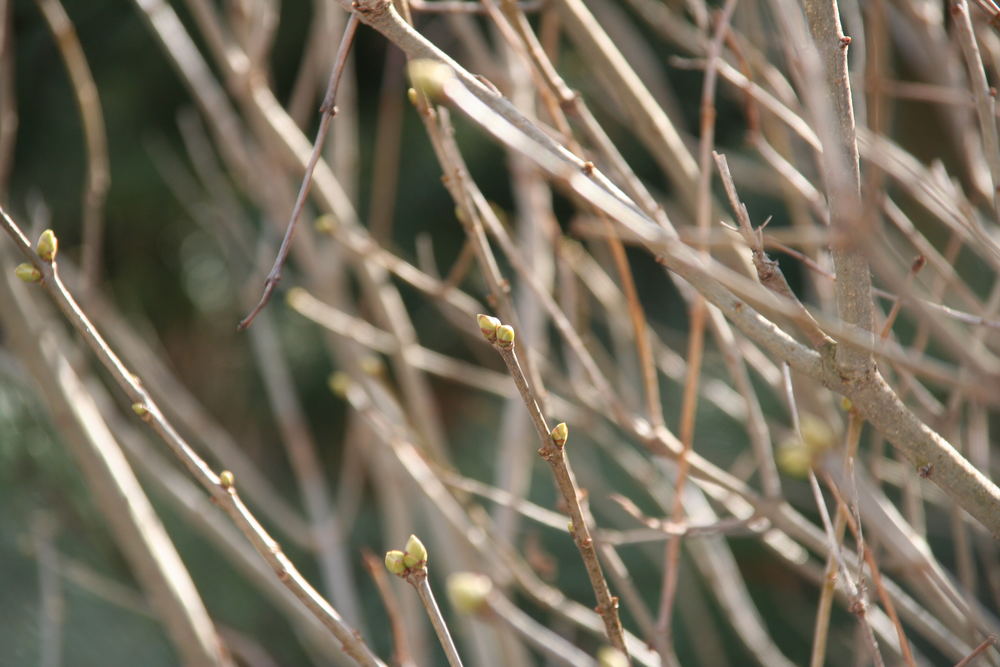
point(394, 562)
point(505, 336)
point(488, 325)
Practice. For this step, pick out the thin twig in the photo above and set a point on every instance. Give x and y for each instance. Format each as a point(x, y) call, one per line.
point(554, 453)
point(328, 110)
point(376, 569)
point(92, 117)
point(437, 620)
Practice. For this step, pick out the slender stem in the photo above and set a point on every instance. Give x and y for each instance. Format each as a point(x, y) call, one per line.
point(92, 118)
point(555, 456)
point(401, 647)
point(418, 580)
point(328, 110)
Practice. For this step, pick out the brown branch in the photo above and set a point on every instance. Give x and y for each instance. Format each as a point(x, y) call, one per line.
point(328, 110)
point(221, 487)
point(553, 452)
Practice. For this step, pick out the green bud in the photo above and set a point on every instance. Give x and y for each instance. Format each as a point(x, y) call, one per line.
point(394, 562)
point(372, 365)
point(140, 410)
point(488, 325)
point(793, 457)
point(27, 273)
point(846, 404)
point(414, 547)
point(415, 556)
point(468, 591)
point(816, 433)
point(560, 434)
point(227, 479)
point(325, 224)
point(48, 245)
point(609, 656)
point(411, 95)
point(339, 383)
point(505, 336)
point(429, 77)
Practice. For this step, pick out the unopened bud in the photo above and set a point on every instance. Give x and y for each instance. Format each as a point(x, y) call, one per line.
point(27, 273)
point(793, 457)
point(48, 245)
point(560, 434)
point(430, 76)
point(488, 325)
point(505, 336)
point(339, 383)
point(416, 553)
point(609, 656)
point(325, 224)
point(227, 479)
point(394, 562)
point(468, 591)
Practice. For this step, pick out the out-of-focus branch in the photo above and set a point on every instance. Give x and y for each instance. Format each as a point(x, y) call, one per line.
point(221, 487)
point(130, 516)
point(98, 170)
point(875, 399)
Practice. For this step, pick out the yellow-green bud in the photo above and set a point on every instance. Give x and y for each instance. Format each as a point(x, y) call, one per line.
point(817, 434)
point(27, 273)
point(415, 554)
point(505, 336)
point(394, 562)
point(429, 76)
point(371, 365)
point(339, 383)
point(846, 404)
point(488, 325)
point(560, 434)
point(608, 656)
point(227, 479)
point(48, 245)
point(793, 457)
point(140, 410)
point(325, 224)
point(411, 95)
point(468, 591)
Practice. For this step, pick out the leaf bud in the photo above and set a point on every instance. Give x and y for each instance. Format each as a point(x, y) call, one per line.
point(48, 245)
point(339, 383)
point(227, 479)
point(27, 273)
point(488, 325)
point(394, 562)
point(416, 554)
point(505, 336)
point(560, 434)
point(430, 76)
point(608, 656)
point(468, 591)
